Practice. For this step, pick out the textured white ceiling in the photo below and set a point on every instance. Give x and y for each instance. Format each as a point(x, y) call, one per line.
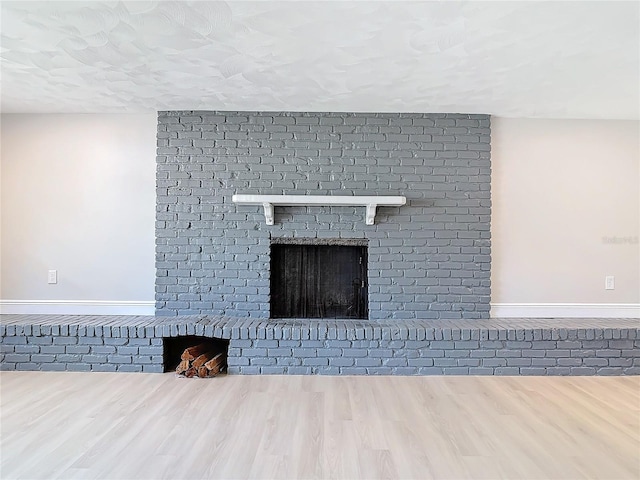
point(515, 59)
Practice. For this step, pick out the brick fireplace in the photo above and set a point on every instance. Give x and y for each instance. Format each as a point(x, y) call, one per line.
point(428, 259)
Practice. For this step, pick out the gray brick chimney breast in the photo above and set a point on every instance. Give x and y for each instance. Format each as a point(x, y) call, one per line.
point(429, 259)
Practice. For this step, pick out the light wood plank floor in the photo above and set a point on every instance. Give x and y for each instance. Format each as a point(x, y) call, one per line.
point(137, 426)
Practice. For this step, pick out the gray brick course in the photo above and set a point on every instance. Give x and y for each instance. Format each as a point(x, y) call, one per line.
point(17, 358)
point(78, 367)
point(129, 368)
point(54, 367)
point(23, 348)
point(77, 349)
point(105, 367)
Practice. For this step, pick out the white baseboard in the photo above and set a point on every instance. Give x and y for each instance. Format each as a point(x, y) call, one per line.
point(76, 307)
point(565, 310)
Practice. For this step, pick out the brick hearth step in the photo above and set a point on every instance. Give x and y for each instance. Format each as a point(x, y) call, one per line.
point(342, 347)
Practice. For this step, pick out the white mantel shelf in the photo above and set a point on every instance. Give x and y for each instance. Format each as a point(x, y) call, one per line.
point(371, 202)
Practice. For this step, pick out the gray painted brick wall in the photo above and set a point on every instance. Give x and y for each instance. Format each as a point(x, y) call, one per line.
point(78, 353)
point(429, 259)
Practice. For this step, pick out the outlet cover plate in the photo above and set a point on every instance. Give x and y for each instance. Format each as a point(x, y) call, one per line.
point(609, 282)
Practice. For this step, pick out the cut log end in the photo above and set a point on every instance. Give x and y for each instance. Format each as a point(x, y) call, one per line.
point(202, 359)
point(182, 367)
point(194, 352)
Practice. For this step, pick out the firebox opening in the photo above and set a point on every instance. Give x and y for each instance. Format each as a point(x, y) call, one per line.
point(319, 281)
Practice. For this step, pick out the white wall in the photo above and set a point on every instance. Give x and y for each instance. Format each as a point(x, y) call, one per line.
point(561, 189)
point(78, 196)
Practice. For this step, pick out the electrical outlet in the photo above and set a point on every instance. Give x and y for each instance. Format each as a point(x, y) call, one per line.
point(53, 276)
point(609, 282)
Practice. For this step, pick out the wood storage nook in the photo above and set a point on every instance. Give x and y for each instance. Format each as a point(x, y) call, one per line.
point(193, 356)
point(199, 361)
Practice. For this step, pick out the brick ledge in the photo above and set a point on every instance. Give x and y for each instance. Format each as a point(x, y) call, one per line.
point(149, 326)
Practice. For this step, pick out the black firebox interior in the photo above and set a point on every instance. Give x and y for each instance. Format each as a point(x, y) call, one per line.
point(318, 281)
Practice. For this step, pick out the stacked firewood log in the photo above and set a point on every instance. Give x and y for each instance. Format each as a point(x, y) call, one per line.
point(202, 361)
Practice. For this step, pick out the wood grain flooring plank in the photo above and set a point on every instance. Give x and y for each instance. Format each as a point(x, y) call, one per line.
point(151, 426)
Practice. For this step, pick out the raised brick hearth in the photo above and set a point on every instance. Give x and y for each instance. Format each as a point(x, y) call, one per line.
point(408, 347)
